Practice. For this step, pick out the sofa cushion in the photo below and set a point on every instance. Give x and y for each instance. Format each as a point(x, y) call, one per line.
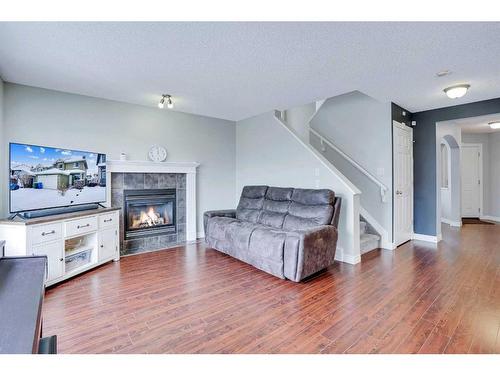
point(279, 194)
point(254, 191)
point(272, 219)
point(251, 203)
point(313, 196)
point(267, 243)
point(276, 206)
point(239, 232)
point(217, 226)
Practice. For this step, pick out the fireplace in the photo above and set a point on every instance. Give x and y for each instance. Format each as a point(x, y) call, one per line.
point(149, 212)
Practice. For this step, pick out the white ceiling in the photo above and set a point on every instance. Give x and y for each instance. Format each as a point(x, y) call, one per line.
point(478, 124)
point(237, 70)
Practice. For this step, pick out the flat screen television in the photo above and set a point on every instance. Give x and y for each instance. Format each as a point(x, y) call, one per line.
point(43, 177)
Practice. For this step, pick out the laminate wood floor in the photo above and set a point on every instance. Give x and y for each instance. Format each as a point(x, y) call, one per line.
point(421, 298)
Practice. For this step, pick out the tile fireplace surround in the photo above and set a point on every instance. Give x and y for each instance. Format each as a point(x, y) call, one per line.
point(144, 175)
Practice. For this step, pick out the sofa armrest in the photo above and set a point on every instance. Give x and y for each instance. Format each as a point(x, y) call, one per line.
point(208, 214)
point(309, 251)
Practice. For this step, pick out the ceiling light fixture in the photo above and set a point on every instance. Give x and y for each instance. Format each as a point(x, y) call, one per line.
point(457, 91)
point(494, 124)
point(168, 99)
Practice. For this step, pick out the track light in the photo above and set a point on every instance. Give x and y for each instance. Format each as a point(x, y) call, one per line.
point(168, 99)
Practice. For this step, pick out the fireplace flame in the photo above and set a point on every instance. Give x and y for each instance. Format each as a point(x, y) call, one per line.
point(149, 218)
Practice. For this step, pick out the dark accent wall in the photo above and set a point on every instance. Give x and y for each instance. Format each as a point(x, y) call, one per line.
point(397, 114)
point(424, 152)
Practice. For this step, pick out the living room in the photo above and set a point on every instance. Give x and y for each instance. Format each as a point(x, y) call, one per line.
point(243, 187)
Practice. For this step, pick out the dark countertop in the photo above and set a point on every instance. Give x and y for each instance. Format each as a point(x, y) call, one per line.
point(21, 297)
point(51, 218)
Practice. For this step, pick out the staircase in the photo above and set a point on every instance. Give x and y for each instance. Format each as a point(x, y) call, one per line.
point(375, 195)
point(368, 239)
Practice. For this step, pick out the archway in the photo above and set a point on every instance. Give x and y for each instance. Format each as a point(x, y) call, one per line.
point(450, 188)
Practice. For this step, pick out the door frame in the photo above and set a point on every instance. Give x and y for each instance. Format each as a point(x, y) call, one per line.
point(481, 184)
point(412, 187)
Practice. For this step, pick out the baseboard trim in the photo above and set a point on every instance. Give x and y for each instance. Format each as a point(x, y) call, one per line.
point(388, 245)
point(340, 256)
point(490, 218)
point(451, 222)
point(426, 238)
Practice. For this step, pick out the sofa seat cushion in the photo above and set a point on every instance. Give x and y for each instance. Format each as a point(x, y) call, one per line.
point(218, 226)
point(267, 243)
point(239, 233)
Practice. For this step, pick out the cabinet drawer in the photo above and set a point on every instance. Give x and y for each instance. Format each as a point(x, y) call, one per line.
point(108, 220)
point(81, 226)
point(46, 233)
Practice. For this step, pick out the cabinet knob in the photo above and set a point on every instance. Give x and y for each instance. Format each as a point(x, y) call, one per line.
point(61, 259)
point(102, 245)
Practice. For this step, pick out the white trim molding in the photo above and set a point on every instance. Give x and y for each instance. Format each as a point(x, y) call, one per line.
point(341, 256)
point(451, 222)
point(144, 166)
point(490, 218)
point(427, 238)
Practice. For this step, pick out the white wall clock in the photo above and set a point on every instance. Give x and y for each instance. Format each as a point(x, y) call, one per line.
point(157, 153)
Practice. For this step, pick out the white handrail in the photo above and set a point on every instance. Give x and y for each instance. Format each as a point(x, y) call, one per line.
point(383, 189)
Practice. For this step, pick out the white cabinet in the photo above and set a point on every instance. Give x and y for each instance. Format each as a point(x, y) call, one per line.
point(54, 252)
point(108, 244)
point(73, 243)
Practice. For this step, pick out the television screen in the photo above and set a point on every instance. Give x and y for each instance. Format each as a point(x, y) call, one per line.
point(46, 177)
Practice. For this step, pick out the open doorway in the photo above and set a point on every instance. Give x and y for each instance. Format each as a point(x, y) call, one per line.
point(468, 171)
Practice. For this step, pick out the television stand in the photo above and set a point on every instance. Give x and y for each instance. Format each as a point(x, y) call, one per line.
point(73, 242)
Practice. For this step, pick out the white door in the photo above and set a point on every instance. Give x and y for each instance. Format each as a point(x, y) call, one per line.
point(55, 259)
point(471, 180)
point(48, 181)
point(403, 182)
point(108, 244)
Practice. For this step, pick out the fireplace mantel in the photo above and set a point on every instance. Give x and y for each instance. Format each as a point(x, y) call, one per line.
point(144, 166)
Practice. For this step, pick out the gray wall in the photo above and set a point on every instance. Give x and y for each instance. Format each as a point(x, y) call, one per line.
point(424, 154)
point(361, 127)
point(297, 118)
point(59, 119)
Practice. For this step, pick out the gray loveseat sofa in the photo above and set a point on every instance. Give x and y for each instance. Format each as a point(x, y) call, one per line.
point(289, 233)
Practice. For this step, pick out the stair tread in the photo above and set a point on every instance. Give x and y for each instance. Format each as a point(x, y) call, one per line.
point(365, 237)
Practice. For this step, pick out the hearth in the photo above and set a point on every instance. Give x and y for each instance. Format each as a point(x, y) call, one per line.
point(149, 212)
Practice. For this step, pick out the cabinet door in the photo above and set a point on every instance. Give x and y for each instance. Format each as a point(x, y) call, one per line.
point(107, 244)
point(55, 261)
